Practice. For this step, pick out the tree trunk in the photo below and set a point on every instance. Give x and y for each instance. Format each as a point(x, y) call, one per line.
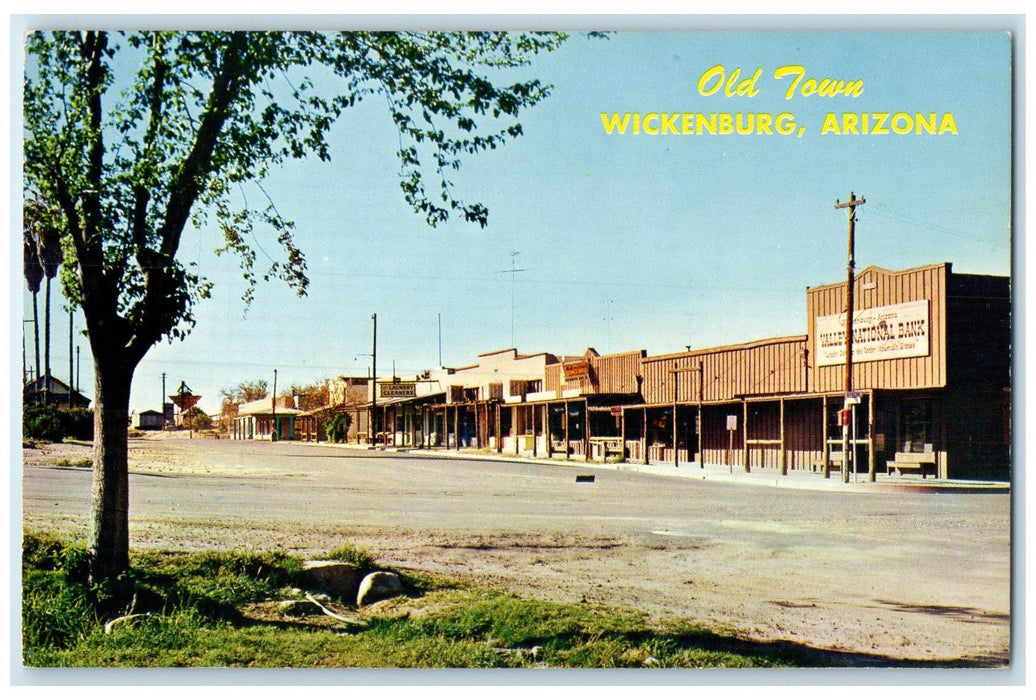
point(46, 349)
point(109, 527)
point(36, 332)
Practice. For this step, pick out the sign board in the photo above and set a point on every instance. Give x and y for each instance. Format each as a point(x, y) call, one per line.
point(732, 422)
point(881, 333)
point(578, 369)
point(616, 410)
point(853, 397)
point(398, 390)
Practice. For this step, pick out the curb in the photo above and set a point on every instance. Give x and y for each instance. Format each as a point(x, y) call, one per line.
point(807, 481)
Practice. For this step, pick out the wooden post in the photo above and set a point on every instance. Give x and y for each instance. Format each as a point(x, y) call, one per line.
point(622, 435)
point(827, 447)
point(744, 440)
point(730, 449)
point(701, 418)
point(456, 428)
point(586, 431)
point(676, 436)
point(784, 451)
point(871, 475)
point(568, 447)
point(643, 437)
point(546, 431)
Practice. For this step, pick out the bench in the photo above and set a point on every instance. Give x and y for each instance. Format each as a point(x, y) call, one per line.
point(919, 462)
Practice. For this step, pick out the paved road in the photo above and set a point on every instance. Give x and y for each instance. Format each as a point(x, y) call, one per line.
point(899, 575)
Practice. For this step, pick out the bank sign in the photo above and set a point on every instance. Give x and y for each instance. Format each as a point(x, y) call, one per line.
point(881, 333)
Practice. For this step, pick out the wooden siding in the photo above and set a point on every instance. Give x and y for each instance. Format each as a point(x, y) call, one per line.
point(879, 287)
point(609, 374)
point(774, 366)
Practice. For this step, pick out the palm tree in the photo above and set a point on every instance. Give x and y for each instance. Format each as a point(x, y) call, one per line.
point(32, 269)
point(48, 248)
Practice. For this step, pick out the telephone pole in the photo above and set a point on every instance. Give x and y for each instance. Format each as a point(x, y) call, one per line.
point(374, 382)
point(71, 373)
point(848, 458)
point(273, 404)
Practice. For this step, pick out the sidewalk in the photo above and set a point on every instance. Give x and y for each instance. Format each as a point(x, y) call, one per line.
point(795, 479)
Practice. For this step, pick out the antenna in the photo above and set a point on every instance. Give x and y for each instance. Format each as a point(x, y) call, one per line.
point(514, 283)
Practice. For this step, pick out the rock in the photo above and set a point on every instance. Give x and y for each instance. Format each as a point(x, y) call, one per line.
point(379, 585)
point(336, 578)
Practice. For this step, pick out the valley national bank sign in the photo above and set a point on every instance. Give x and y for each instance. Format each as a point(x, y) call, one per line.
point(881, 333)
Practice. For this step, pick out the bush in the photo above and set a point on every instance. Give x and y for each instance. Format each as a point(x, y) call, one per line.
point(337, 427)
point(42, 423)
point(55, 424)
point(79, 423)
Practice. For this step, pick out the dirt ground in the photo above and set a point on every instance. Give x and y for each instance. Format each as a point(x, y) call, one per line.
point(874, 579)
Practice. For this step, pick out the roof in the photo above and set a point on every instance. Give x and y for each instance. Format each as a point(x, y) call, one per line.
point(57, 388)
point(875, 269)
point(263, 408)
point(725, 348)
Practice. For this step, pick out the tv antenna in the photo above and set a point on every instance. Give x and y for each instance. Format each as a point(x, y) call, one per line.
point(514, 284)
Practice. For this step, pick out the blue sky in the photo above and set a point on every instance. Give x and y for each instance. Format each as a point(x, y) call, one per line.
point(623, 241)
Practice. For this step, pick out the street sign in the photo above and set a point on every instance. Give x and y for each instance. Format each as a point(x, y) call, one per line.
point(732, 422)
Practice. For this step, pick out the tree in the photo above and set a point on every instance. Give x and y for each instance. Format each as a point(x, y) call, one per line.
point(32, 269)
point(311, 396)
point(197, 419)
point(135, 136)
point(48, 248)
point(245, 392)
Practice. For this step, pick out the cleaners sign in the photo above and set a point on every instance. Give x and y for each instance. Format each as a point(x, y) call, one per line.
point(881, 333)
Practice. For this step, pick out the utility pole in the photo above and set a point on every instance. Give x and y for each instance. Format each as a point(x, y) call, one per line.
point(71, 374)
point(374, 381)
point(162, 405)
point(273, 435)
point(848, 458)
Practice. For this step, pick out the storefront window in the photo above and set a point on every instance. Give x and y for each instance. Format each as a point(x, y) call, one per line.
point(915, 429)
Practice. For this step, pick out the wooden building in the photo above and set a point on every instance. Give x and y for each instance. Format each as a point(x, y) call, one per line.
point(344, 395)
point(263, 420)
point(53, 392)
point(931, 374)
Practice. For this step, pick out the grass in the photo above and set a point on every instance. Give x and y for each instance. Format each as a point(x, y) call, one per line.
point(219, 609)
point(79, 463)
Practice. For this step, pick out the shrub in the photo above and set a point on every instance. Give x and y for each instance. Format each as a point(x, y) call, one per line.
point(79, 423)
point(55, 424)
point(337, 428)
point(43, 423)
